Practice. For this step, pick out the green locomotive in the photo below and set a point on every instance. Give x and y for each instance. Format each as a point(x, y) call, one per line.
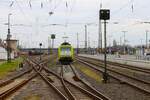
point(65, 53)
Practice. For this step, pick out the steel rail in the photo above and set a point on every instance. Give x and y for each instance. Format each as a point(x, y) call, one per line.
point(15, 77)
point(96, 92)
point(95, 97)
point(113, 70)
point(80, 88)
point(70, 95)
point(46, 79)
point(115, 77)
point(16, 87)
point(53, 86)
point(131, 67)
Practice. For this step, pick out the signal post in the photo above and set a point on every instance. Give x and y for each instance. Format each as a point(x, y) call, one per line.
point(105, 15)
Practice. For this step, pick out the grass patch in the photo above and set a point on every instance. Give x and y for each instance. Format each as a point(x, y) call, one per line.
point(33, 97)
point(5, 67)
point(1, 62)
point(88, 72)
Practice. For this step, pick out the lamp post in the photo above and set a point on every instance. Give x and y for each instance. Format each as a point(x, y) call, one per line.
point(141, 51)
point(124, 41)
point(86, 35)
point(146, 39)
point(85, 38)
point(100, 33)
point(77, 43)
point(8, 40)
point(40, 51)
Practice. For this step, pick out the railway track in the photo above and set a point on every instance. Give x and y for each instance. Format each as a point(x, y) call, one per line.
point(135, 83)
point(114, 68)
point(77, 88)
point(71, 89)
point(10, 86)
point(73, 86)
point(13, 84)
point(48, 80)
point(96, 92)
point(40, 63)
point(8, 81)
point(131, 67)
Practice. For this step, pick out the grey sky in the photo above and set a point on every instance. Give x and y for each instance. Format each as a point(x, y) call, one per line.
point(73, 16)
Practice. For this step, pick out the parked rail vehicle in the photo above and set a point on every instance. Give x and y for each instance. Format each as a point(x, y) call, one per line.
point(65, 53)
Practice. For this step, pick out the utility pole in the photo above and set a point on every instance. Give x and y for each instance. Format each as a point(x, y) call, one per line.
point(100, 33)
point(149, 44)
point(77, 43)
point(146, 39)
point(120, 40)
point(141, 51)
point(124, 41)
point(8, 40)
point(88, 42)
point(85, 38)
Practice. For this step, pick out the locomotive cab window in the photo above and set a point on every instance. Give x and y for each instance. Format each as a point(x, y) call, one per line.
point(66, 51)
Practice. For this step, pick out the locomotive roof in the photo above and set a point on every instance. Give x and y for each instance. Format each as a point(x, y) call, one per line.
point(65, 43)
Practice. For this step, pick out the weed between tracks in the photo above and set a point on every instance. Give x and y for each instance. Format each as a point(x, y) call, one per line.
point(52, 62)
point(33, 97)
point(88, 72)
point(5, 67)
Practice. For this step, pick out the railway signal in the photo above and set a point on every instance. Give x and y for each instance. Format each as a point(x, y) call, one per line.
point(40, 51)
point(53, 36)
point(105, 15)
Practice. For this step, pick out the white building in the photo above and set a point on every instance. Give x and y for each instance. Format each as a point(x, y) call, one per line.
point(3, 50)
point(3, 54)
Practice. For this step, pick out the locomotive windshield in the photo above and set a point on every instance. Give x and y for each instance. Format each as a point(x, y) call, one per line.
point(66, 51)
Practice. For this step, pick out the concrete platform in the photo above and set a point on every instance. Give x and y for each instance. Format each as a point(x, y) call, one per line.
point(124, 59)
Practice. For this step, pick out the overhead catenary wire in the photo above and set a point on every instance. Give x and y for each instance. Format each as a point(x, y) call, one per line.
point(11, 4)
point(56, 5)
point(66, 4)
point(130, 4)
point(30, 4)
point(72, 7)
point(41, 4)
point(21, 10)
point(26, 17)
point(122, 7)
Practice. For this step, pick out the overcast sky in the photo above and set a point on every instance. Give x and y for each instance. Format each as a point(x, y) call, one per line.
point(31, 21)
